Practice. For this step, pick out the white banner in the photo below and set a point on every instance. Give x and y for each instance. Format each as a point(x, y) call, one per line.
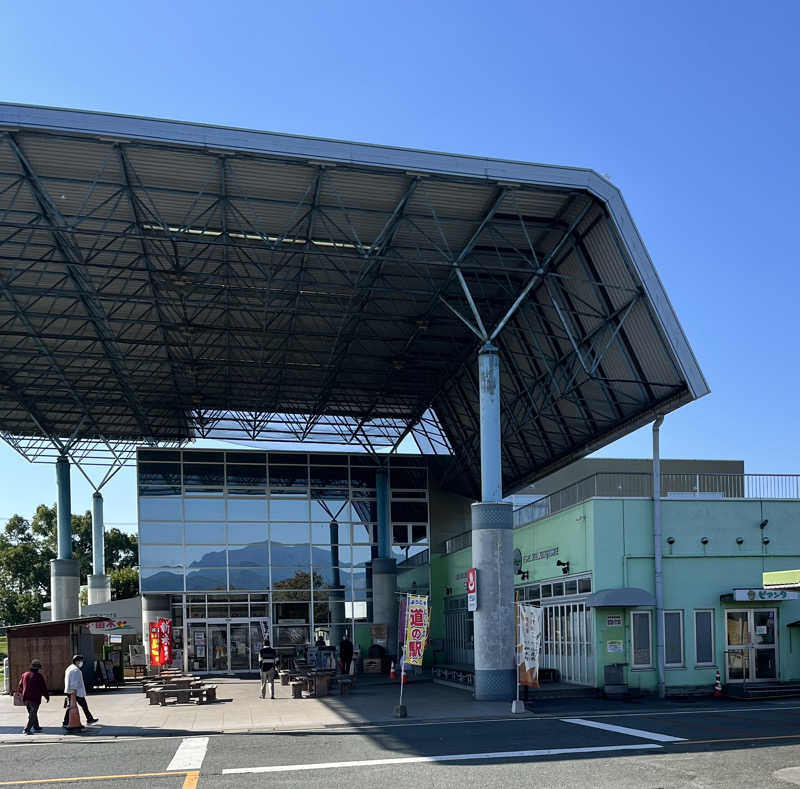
point(530, 637)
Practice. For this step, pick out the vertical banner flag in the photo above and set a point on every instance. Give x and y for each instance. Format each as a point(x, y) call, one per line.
point(416, 628)
point(165, 641)
point(155, 645)
point(529, 643)
point(472, 589)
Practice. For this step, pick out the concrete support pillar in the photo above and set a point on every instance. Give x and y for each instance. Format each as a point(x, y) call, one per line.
point(384, 515)
point(384, 599)
point(154, 607)
point(99, 582)
point(492, 550)
point(336, 594)
point(64, 571)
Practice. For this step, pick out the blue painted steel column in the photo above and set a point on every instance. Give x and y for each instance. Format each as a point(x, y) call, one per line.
point(64, 509)
point(99, 582)
point(492, 549)
point(64, 571)
point(384, 568)
point(384, 521)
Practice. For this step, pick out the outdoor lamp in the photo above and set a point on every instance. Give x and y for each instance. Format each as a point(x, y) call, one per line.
point(670, 540)
point(763, 524)
point(704, 540)
point(564, 566)
point(739, 540)
point(765, 540)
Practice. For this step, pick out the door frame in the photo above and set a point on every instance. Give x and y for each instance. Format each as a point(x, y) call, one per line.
point(751, 647)
point(227, 622)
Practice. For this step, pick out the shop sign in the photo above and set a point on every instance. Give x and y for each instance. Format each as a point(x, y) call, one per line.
point(113, 625)
point(472, 589)
point(615, 620)
point(155, 645)
point(548, 554)
point(529, 628)
point(417, 621)
point(614, 646)
point(768, 595)
point(165, 640)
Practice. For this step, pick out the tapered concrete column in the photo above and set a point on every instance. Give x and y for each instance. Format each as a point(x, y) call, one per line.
point(336, 594)
point(492, 550)
point(99, 582)
point(384, 601)
point(64, 571)
point(384, 516)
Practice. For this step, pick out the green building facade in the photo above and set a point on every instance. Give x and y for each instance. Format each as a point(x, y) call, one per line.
point(591, 568)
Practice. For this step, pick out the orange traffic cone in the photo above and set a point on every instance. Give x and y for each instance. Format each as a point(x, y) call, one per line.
point(392, 675)
point(717, 686)
point(74, 721)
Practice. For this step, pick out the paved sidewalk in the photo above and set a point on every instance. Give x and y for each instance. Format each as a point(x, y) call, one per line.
point(126, 712)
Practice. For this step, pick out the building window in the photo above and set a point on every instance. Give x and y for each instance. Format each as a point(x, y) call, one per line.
point(704, 637)
point(673, 638)
point(642, 643)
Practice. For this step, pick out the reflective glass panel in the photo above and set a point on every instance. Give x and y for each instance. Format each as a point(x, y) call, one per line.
point(203, 474)
point(205, 555)
point(243, 533)
point(329, 477)
point(255, 554)
point(365, 511)
point(330, 509)
point(255, 458)
point(704, 636)
point(292, 635)
point(161, 555)
point(159, 454)
point(204, 509)
point(285, 555)
point(291, 577)
point(159, 473)
point(363, 533)
point(363, 553)
point(260, 610)
point(160, 533)
point(246, 476)
point(161, 579)
point(288, 476)
point(399, 534)
point(325, 534)
point(410, 511)
point(363, 478)
point(250, 578)
point(288, 510)
point(289, 532)
point(288, 594)
point(419, 533)
point(247, 509)
point(204, 534)
point(331, 578)
point(359, 581)
point(160, 509)
point(207, 578)
point(408, 478)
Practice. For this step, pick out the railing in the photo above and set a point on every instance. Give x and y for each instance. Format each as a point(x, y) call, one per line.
point(640, 485)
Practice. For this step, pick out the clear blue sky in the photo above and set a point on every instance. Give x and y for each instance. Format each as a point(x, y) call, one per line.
point(690, 108)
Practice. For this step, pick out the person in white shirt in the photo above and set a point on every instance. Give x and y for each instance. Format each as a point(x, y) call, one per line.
point(73, 681)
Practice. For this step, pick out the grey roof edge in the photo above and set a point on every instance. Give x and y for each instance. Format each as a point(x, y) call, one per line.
point(130, 127)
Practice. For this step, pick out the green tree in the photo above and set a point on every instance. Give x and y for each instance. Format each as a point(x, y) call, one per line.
point(124, 583)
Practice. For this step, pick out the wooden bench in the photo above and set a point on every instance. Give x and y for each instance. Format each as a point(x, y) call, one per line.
point(204, 694)
point(297, 689)
point(345, 685)
point(160, 695)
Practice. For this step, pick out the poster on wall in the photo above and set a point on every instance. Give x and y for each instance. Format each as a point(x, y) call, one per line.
point(529, 643)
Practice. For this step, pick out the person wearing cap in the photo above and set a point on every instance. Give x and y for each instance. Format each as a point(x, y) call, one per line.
point(73, 681)
point(33, 686)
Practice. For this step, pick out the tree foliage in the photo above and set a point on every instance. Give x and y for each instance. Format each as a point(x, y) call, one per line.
point(26, 548)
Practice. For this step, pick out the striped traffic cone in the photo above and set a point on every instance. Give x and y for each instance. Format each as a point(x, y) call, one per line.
point(717, 686)
point(74, 720)
point(392, 675)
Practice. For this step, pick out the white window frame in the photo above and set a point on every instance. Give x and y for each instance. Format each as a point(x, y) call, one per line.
point(649, 616)
point(681, 663)
point(713, 639)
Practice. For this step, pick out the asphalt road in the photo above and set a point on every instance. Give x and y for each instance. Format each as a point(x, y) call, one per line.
point(733, 745)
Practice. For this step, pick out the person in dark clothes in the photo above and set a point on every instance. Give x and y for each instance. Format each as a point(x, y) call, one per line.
point(33, 686)
point(267, 657)
point(346, 653)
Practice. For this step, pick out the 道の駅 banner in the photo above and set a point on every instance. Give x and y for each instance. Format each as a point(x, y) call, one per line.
point(416, 628)
point(529, 643)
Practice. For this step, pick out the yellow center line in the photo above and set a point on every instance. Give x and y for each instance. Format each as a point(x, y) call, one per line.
point(196, 774)
point(191, 780)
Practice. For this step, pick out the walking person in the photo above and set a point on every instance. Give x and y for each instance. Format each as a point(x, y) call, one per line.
point(73, 681)
point(346, 653)
point(266, 664)
point(33, 686)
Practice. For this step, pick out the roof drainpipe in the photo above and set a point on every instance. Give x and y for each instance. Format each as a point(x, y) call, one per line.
point(657, 554)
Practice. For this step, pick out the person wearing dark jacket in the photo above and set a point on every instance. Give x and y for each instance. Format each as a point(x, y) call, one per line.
point(33, 686)
point(346, 654)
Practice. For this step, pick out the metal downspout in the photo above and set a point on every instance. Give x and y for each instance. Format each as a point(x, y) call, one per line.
point(658, 557)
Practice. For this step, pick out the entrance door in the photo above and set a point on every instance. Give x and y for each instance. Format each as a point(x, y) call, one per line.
point(751, 637)
point(218, 648)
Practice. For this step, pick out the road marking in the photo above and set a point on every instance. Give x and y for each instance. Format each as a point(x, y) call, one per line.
point(84, 778)
point(645, 735)
point(191, 780)
point(455, 757)
point(190, 754)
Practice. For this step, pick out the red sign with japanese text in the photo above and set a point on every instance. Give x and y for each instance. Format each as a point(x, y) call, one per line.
point(472, 589)
point(165, 641)
point(155, 645)
point(416, 628)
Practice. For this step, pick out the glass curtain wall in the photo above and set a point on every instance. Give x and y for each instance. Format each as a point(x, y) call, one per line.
point(298, 528)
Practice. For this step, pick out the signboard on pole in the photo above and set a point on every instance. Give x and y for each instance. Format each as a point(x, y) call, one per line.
point(416, 628)
point(165, 641)
point(472, 589)
point(155, 644)
point(529, 643)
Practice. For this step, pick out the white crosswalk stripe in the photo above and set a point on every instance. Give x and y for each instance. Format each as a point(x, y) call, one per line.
point(190, 754)
point(645, 735)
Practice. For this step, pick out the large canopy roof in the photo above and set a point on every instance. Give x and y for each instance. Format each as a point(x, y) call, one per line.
point(161, 281)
